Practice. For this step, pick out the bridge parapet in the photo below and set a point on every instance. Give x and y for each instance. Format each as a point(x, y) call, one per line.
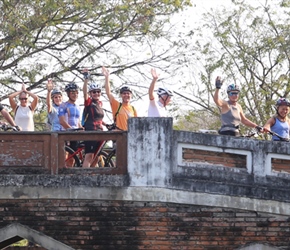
point(206, 163)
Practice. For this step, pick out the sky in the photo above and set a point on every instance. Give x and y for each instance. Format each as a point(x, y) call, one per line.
point(191, 17)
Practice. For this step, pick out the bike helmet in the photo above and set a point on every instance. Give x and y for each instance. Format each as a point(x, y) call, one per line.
point(233, 87)
point(55, 92)
point(282, 101)
point(94, 86)
point(71, 87)
point(164, 91)
point(124, 89)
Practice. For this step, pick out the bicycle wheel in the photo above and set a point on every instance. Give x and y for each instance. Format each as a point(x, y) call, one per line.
point(72, 155)
point(106, 160)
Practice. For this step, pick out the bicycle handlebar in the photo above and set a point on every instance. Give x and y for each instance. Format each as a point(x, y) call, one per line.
point(279, 136)
point(112, 127)
point(74, 129)
point(6, 127)
point(108, 126)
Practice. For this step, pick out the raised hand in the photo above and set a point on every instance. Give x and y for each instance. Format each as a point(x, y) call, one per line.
point(105, 72)
point(218, 82)
point(154, 74)
point(86, 73)
point(23, 88)
point(49, 85)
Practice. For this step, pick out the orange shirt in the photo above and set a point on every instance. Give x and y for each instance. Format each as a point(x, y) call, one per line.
point(126, 111)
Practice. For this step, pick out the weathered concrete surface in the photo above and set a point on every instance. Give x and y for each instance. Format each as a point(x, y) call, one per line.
point(153, 165)
point(147, 194)
point(150, 151)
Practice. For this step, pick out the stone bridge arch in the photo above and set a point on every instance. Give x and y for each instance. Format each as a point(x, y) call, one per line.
point(258, 247)
point(16, 232)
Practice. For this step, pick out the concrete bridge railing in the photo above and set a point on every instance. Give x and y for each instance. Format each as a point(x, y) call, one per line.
point(156, 153)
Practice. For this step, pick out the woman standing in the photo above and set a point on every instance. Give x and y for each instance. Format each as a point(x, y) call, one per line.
point(23, 113)
point(53, 101)
point(280, 123)
point(92, 116)
point(232, 114)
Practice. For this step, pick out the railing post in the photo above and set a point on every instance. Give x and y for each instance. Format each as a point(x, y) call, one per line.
point(121, 152)
point(54, 153)
point(150, 151)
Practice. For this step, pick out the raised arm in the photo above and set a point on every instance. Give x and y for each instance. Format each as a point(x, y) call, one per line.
point(49, 87)
point(152, 85)
point(12, 102)
point(35, 97)
point(86, 75)
point(106, 73)
point(218, 83)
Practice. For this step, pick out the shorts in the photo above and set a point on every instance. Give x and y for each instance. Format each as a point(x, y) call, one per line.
point(73, 145)
point(229, 132)
point(92, 146)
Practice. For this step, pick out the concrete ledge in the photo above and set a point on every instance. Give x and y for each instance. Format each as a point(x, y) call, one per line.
point(147, 194)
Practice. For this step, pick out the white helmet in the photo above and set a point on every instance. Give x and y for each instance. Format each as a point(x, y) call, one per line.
point(164, 91)
point(94, 86)
point(56, 92)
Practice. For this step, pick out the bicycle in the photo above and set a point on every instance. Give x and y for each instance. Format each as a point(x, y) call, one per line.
point(6, 127)
point(250, 134)
point(279, 136)
point(101, 157)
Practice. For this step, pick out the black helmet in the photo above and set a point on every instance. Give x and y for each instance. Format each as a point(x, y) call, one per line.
point(71, 87)
point(125, 88)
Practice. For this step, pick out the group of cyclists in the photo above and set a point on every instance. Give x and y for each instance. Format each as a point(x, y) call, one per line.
point(67, 115)
point(232, 115)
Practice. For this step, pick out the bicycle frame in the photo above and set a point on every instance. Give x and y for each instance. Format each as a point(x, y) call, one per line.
point(99, 154)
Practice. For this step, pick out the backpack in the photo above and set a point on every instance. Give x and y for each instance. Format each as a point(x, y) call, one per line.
point(118, 110)
point(17, 109)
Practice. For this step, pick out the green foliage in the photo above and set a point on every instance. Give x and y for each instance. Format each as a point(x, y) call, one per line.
point(47, 38)
point(195, 120)
point(247, 44)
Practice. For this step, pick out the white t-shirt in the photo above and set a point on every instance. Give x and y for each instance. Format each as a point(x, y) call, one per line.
point(24, 118)
point(156, 109)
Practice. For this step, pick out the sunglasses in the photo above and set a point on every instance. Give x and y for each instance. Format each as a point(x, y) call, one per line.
point(96, 91)
point(22, 99)
point(233, 93)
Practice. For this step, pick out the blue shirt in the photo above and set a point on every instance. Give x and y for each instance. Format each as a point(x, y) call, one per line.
point(53, 118)
point(72, 111)
point(280, 128)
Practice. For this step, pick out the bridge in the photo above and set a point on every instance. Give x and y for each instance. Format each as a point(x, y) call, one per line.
point(170, 190)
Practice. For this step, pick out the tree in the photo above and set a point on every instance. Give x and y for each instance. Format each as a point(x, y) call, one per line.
point(248, 45)
point(50, 38)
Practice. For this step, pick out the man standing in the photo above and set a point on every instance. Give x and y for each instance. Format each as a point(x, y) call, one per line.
point(121, 110)
point(158, 108)
point(69, 114)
